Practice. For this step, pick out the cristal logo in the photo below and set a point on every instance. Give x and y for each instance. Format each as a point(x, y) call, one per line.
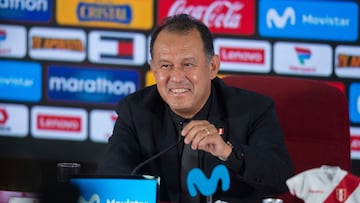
point(107, 12)
point(93, 199)
point(98, 85)
point(280, 21)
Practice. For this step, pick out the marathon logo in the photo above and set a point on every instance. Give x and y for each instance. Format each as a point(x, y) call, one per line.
point(90, 85)
point(104, 12)
point(26, 10)
point(57, 43)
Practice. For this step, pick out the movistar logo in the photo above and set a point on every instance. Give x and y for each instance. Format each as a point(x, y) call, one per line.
point(196, 179)
point(95, 198)
point(280, 21)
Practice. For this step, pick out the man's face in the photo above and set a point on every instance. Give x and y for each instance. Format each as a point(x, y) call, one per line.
point(182, 71)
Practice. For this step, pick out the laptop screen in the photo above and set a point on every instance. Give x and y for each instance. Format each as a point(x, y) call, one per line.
point(124, 189)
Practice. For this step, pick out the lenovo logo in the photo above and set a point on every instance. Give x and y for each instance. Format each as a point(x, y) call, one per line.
point(61, 123)
point(280, 21)
point(242, 55)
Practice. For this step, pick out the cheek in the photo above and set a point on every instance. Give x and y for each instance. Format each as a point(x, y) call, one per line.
point(161, 78)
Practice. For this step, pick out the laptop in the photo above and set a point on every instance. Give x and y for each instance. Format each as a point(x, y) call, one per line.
point(116, 189)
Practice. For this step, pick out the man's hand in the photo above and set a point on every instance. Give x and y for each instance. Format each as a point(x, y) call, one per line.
point(204, 136)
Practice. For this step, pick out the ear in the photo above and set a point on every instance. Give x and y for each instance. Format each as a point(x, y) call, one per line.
point(214, 66)
point(151, 63)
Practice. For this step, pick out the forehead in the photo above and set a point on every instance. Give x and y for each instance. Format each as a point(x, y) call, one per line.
point(168, 41)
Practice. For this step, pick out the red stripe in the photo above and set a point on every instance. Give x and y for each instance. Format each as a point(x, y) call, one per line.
point(344, 189)
point(125, 48)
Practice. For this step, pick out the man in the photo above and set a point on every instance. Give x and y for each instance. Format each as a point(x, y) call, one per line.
point(218, 124)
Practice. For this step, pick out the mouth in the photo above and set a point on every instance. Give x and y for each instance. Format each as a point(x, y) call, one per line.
point(179, 90)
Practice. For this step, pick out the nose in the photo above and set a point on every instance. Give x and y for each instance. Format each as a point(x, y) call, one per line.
point(177, 74)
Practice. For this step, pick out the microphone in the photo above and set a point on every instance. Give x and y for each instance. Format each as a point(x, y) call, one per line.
point(156, 155)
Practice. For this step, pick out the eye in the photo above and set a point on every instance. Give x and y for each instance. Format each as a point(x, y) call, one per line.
point(188, 65)
point(165, 66)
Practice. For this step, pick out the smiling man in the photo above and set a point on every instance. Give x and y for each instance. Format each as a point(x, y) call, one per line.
point(217, 124)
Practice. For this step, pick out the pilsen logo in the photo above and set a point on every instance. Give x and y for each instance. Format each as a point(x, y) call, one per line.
point(57, 43)
point(59, 123)
point(225, 17)
point(348, 61)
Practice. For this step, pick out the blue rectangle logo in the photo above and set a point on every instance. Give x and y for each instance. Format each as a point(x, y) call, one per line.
point(90, 85)
point(20, 81)
point(116, 190)
point(26, 11)
point(354, 102)
point(317, 20)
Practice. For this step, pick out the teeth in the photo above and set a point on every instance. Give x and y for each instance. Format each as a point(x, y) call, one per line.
point(178, 90)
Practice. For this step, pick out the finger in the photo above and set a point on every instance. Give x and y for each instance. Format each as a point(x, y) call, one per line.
point(191, 130)
point(192, 125)
point(199, 137)
point(208, 144)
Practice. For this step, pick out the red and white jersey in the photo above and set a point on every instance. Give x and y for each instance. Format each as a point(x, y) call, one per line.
point(327, 184)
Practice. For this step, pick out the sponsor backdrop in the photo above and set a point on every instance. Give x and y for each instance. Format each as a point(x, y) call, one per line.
point(64, 65)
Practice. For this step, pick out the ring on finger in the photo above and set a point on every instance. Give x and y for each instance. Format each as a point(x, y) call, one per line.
point(207, 131)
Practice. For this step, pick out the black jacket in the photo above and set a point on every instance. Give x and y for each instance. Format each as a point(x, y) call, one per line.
point(259, 164)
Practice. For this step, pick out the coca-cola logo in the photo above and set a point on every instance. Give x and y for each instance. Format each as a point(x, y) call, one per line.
point(232, 17)
point(217, 14)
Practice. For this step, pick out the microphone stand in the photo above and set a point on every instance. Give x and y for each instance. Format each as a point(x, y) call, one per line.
point(209, 199)
point(155, 156)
